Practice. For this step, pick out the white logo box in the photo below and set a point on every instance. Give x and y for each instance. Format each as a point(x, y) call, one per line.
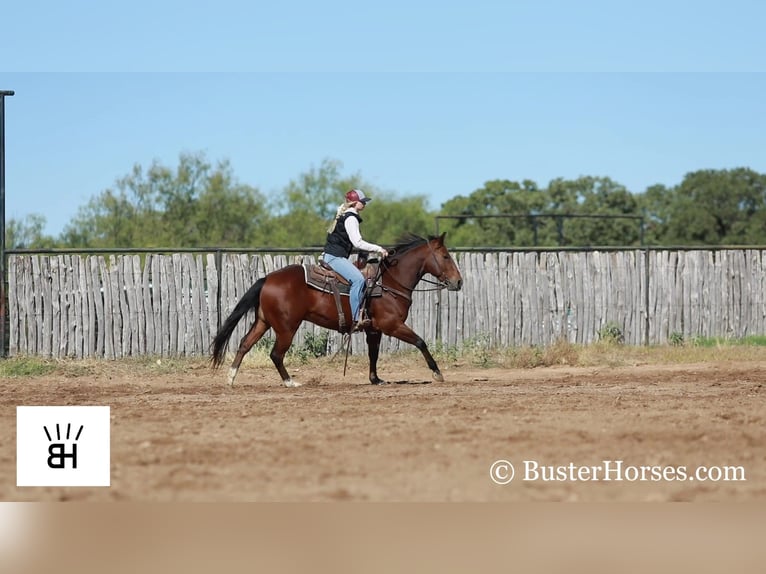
point(51, 440)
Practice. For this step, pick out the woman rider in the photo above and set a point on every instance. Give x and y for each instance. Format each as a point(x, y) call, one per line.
point(342, 236)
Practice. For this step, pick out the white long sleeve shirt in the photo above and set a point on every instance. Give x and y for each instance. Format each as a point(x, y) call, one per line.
point(352, 228)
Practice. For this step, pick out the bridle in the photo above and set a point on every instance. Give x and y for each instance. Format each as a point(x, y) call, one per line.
point(441, 277)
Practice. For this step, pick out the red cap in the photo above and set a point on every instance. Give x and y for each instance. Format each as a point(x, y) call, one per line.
point(357, 195)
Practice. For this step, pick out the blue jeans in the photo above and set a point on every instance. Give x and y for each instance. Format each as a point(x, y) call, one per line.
point(350, 272)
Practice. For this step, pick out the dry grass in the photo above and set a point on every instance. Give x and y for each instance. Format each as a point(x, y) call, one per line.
point(561, 353)
point(618, 355)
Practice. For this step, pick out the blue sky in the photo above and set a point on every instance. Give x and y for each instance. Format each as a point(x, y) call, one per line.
point(417, 97)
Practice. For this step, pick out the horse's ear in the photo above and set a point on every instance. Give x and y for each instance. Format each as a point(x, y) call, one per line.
point(441, 238)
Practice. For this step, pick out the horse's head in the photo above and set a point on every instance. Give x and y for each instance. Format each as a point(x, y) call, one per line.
point(414, 256)
point(441, 265)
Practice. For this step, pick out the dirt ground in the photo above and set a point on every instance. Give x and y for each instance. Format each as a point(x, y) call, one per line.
point(189, 437)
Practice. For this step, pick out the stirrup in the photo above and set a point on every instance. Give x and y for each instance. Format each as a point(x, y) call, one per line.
point(362, 324)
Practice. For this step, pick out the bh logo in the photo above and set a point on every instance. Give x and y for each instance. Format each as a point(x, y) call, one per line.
point(53, 447)
point(57, 454)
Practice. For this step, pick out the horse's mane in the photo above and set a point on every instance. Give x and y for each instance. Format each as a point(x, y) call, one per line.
point(408, 241)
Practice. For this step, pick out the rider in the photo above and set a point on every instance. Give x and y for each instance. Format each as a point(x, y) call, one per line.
point(342, 236)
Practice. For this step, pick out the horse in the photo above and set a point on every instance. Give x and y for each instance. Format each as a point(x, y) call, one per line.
point(282, 301)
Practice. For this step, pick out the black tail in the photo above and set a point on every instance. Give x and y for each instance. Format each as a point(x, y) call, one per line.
point(250, 300)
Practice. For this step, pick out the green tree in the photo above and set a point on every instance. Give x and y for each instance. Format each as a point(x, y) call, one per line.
point(301, 213)
point(611, 206)
point(193, 205)
point(655, 204)
point(109, 220)
point(197, 204)
point(388, 218)
point(27, 233)
point(709, 207)
point(294, 229)
point(533, 214)
point(496, 198)
point(229, 214)
point(318, 190)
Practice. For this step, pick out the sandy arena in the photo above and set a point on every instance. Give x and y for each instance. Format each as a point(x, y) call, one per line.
point(189, 437)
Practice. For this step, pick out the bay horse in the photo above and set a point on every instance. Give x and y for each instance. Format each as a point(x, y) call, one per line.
point(282, 301)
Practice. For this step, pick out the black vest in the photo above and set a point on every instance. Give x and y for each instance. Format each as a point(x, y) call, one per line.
point(338, 243)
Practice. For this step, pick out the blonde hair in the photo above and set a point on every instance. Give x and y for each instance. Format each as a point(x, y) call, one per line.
point(342, 208)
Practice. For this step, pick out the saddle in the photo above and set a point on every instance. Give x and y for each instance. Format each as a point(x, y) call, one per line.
point(325, 279)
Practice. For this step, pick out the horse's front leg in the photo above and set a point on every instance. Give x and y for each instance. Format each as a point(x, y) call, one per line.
point(404, 333)
point(373, 351)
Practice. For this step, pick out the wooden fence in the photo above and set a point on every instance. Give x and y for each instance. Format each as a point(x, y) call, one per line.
point(64, 305)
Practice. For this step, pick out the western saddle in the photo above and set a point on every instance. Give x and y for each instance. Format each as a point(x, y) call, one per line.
point(325, 279)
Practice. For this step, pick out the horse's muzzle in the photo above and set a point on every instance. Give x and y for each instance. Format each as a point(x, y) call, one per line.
point(454, 285)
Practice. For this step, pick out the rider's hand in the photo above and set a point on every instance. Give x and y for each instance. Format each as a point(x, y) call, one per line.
point(383, 253)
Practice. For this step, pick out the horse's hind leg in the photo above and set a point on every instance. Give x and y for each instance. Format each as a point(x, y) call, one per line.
point(284, 338)
point(251, 338)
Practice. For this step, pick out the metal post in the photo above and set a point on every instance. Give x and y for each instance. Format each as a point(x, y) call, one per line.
point(3, 93)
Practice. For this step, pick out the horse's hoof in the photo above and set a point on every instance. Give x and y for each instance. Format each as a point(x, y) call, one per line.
point(232, 376)
point(379, 382)
point(438, 377)
point(292, 384)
